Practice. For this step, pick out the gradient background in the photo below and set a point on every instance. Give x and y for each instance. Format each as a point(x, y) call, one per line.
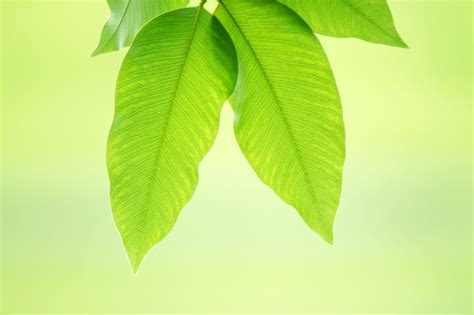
point(403, 231)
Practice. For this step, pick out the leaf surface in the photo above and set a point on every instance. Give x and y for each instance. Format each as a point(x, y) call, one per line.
point(370, 20)
point(127, 18)
point(288, 114)
point(172, 85)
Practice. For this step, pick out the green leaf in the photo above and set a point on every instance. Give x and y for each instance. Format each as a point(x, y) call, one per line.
point(127, 18)
point(172, 85)
point(370, 20)
point(288, 114)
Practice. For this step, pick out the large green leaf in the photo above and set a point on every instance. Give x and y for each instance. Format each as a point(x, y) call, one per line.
point(288, 114)
point(370, 20)
point(172, 85)
point(127, 18)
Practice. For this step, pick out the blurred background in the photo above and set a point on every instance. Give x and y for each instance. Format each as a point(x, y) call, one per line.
point(403, 237)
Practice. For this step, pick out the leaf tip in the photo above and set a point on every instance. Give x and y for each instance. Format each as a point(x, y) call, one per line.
point(96, 52)
point(398, 41)
point(135, 266)
point(324, 228)
point(328, 236)
point(135, 257)
point(402, 44)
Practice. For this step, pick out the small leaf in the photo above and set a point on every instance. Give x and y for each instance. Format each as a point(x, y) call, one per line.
point(172, 85)
point(127, 18)
point(288, 114)
point(370, 20)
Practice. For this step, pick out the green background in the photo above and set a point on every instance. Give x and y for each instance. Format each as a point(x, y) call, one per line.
point(403, 236)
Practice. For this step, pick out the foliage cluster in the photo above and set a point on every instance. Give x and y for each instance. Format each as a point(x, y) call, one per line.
point(262, 56)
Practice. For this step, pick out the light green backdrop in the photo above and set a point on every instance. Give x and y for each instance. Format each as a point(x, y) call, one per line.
point(404, 228)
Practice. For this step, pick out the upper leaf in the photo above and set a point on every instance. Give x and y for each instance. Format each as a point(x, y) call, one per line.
point(172, 85)
point(288, 114)
point(127, 18)
point(370, 20)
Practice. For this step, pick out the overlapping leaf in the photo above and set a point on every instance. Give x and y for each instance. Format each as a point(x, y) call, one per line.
point(370, 20)
point(171, 88)
point(288, 114)
point(127, 18)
